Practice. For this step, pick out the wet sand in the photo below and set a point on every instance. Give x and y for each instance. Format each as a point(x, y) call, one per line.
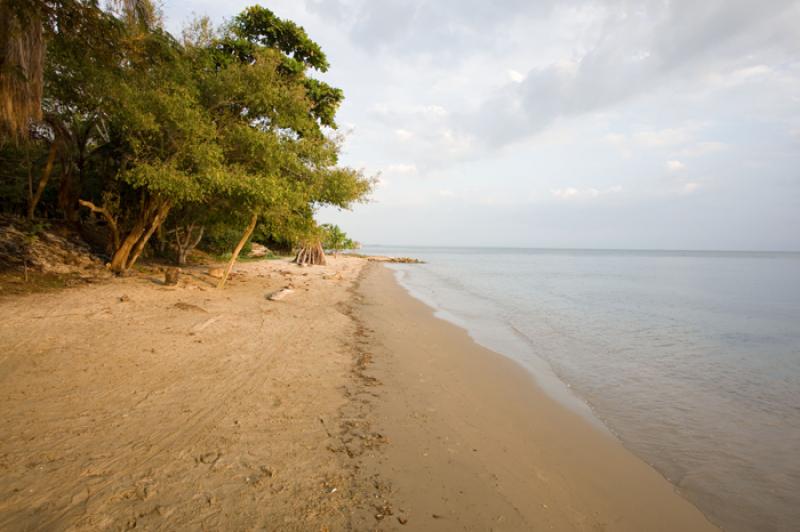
point(474, 443)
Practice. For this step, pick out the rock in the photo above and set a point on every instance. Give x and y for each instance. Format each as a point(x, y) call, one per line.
point(216, 273)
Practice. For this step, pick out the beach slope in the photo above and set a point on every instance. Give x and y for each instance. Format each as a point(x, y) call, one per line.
point(474, 443)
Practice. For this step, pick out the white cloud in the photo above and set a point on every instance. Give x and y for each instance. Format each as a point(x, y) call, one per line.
point(578, 193)
point(389, 110)
point(691, 187)
point(403, 134)
point(446, 193)
point(664, 137)
point(739, 76)
point(401, 169)
point(703, 148)
point(515, 76)
point(675, 166)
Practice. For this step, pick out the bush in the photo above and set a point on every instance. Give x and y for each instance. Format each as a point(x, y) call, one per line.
point(220, 239)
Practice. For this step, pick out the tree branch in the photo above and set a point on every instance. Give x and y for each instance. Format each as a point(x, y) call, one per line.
point(112, 223)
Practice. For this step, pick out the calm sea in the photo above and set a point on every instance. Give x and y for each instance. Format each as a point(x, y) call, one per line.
point(691, 358)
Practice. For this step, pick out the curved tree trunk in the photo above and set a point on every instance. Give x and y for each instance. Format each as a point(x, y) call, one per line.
point(127, 252)
point(48, 169)
point(311, 253)
point(247, 233)
point(159, 217)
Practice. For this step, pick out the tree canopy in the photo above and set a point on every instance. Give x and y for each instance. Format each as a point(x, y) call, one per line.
point(133, 131)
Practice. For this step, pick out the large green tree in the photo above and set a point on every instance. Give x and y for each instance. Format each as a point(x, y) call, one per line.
point(231, 124)
point(272, 119)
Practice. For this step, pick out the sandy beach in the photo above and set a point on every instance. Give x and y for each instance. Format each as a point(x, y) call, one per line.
point(344, 406)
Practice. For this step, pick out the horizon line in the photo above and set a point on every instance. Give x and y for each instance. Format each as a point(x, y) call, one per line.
point(546, 248)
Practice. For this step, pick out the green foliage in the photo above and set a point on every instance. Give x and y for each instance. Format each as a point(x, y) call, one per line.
point(223, 125)
point(334, 239)
point(221, 238)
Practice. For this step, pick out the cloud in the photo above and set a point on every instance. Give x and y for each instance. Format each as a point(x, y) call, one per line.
point(515, 76)
point(691, 187)
point(396, 110)
point(626, 53)
point(568, 193)
point(401, 169)
point(703, 148)
point(664, 137)
point(675, 166)
point(403, 134)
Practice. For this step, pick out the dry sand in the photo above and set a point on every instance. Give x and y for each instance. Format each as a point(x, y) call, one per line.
point(344, 406)
point(128, 404)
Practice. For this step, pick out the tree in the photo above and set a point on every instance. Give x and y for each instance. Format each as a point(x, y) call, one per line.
point(270, 117)
point(22, 48)
point(137, 129)
point(333, 238)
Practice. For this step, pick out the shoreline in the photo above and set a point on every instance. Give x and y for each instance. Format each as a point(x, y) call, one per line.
point(474, 441)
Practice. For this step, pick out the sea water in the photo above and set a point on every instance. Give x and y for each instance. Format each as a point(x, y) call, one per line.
point(691, 358)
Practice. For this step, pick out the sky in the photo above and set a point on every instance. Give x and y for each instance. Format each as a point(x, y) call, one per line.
point(623, 124)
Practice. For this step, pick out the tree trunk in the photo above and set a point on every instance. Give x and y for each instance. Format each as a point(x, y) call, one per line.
point(153, 213)
point(186, 244)
point(247, 232)
point(311, 253)
point(123, 251)
point(48, 169)
point(159, 217)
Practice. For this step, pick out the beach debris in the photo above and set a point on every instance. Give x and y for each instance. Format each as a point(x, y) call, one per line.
point(402, 520)
point(171, 276)
point(180, 305)
point(401, 260)
point(280, 294)
point(216, 273)
point(124, 298)
point(201, 326)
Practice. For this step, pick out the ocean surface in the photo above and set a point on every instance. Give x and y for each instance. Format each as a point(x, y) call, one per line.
point(691, 358)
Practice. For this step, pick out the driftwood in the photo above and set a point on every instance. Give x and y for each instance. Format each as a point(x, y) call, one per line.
point(280, 294)
point(311, 253)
